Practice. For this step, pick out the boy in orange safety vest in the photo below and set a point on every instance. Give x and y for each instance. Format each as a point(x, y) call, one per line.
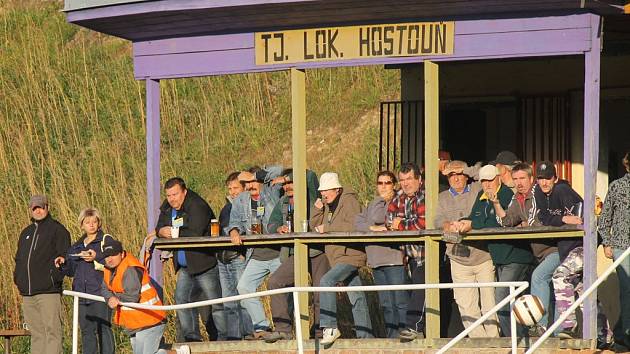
point(126, 280)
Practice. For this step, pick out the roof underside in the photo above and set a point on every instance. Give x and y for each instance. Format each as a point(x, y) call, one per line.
point(147, 20)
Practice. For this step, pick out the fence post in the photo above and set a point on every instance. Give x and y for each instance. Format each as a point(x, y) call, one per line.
point(75, 325)
point(298, 329)
point(300, 264)
point(513, 322)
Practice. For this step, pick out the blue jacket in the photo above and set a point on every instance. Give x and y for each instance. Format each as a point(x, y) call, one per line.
point(241, 213)
point(86, 278)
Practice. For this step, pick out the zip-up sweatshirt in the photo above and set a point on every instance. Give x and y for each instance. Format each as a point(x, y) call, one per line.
point(38, 246)
point(561, 201)
point(87, 278)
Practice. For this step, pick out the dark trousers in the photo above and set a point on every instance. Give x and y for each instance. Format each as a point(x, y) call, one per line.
point(283, 277)
point(415, 309)
point(96, 328)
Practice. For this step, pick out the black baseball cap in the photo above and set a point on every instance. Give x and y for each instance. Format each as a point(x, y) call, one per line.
point(111, 247)
point(506, 158)
point(546, 170)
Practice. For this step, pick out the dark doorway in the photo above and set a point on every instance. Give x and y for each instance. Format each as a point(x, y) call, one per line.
point(463, 134)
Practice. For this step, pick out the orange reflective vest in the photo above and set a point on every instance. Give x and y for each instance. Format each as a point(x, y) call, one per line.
point(127, 317)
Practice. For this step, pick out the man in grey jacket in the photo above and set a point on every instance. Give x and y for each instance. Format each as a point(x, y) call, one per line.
point(470, 261)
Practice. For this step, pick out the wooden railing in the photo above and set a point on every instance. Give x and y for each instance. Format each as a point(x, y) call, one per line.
point(430, 238)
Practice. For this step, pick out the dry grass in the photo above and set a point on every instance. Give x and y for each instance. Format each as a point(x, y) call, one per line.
point(72, 127)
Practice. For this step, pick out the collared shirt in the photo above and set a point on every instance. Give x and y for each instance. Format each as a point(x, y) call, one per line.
point(454, 192)
point(411, 210)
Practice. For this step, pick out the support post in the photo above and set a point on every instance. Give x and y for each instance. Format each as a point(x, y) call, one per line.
point(298, 141)
point(591, 153)
point(431, 139)
point(153, 172)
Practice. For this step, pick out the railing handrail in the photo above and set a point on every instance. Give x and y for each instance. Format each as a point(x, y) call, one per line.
point(579, 301)
point(489, 234)
point(522, 285)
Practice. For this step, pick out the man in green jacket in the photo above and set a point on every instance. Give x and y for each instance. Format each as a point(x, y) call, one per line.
point(512, 259)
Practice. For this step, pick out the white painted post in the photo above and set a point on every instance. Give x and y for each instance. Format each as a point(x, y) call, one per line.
point(513, 322)
point(75, 326)
point(298, 328)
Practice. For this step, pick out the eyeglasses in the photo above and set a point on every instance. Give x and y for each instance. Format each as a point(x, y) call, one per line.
point(36, 207)
point(384, 183)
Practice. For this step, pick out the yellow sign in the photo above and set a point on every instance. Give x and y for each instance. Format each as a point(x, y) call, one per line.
point(355, 42)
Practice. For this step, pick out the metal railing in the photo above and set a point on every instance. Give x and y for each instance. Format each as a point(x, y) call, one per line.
point(516, 288)
point(578, 302)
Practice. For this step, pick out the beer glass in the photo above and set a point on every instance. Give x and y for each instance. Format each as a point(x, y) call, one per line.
point(214, 228)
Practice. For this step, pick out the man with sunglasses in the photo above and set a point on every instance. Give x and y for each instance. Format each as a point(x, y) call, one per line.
point(39, 255)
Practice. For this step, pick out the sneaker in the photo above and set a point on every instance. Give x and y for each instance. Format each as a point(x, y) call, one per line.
point(409, 334)
point(568, 333)
point(183, 349)
point(330, 336)
point(272, 337)
point(536, 330)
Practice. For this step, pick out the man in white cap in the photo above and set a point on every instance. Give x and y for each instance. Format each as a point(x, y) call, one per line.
point(470, 261)
point(512, 259)
point(336, 212)
point(40, 253)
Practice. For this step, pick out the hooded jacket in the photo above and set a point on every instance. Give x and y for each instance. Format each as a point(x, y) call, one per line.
point(378, 255)
point(561, 201)
point(341, 220)
point(38, 246)
point(196, 214)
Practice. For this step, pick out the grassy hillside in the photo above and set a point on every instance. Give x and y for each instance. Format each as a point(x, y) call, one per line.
point(72, 127)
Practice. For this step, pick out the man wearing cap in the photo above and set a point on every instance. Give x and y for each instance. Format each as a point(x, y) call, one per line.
point(185, 214)
point(125, 279)
point(558, 204)
point(470, 261)
point(40, 253)
point(504, 161)
point(250, 210)
point(512, 259)
point(406, 211)
point(336, 212)
point(281, 221)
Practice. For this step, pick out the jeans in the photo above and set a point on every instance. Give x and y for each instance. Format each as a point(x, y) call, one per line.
point(328, 301)
point(622, 329)
point(393, 303)
point(509, 272)
point(148, 340)
point(415, 308)
point(96, 328)
point(42, 314)
point(239, 323)
point(209, 285)
point(254, 274)
point(542, 286)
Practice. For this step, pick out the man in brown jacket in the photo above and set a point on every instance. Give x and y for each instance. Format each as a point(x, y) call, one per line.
point(336, 213)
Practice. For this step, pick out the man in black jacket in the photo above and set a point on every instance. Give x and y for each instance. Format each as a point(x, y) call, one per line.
point(185, 214)
point(39, 255)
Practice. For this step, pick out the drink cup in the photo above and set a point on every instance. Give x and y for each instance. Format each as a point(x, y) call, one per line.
point(214, 228)
point(304, 225)
point(174, 232)
point(257, 228)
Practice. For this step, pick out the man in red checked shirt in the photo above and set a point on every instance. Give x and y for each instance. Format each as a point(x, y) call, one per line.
point(406, 212)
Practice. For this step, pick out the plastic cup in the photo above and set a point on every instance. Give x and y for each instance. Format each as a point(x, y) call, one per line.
point(174, 232)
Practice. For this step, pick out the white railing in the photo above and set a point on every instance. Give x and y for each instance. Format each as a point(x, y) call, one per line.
point(578, 302)
point(515, 289)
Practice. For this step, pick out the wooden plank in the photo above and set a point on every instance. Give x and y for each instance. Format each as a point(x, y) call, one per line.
point(474, 47)
point(591, 159)
point(431, 141)
point(298, 143)
point(14, 332)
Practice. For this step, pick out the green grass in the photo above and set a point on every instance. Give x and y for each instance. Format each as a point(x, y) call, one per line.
point(72, 127)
